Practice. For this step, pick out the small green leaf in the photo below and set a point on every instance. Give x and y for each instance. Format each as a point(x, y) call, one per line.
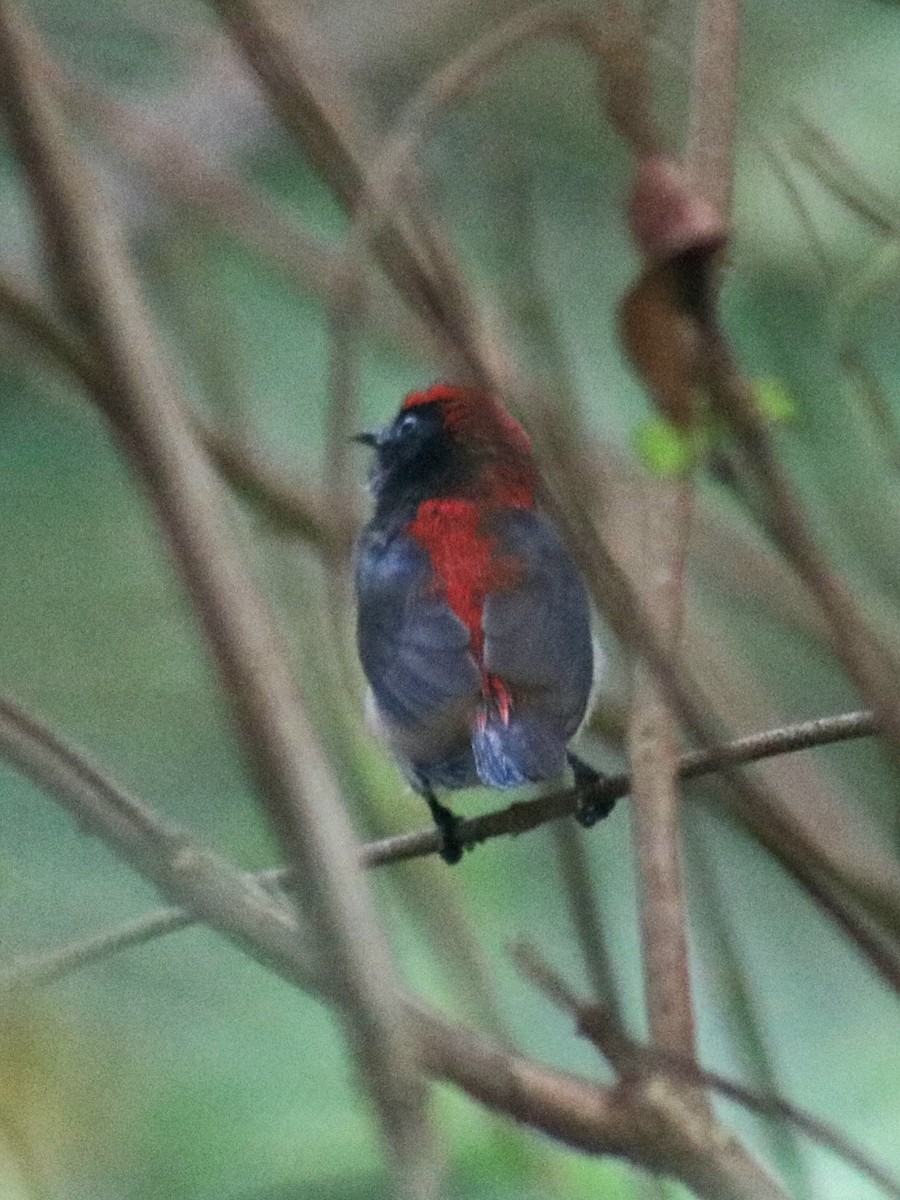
point(669, 450)
point(774, 401)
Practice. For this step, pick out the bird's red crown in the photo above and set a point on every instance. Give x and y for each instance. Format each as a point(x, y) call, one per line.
point(473, 413)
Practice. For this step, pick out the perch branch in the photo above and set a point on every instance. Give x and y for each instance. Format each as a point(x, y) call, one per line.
point(598, 1120)
point(48, 757)
point(140, 399)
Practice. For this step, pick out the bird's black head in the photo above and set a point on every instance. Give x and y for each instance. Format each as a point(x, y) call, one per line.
point(450, 440)
point(416, 457)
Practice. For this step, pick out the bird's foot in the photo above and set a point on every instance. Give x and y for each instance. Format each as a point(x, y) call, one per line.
point(448, 826)
point(589, 811)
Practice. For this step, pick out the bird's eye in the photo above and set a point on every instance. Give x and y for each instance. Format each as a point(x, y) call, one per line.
point(407, 425)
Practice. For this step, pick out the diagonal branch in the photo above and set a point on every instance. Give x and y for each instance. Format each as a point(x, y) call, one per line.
point(581, 1114)
point(171, 165)
point(280, 498)
point(614, 45)
point(651, 335)
point(636, 1062)
point(140, 399)
point(858, 902)
point(43, 758)
point(292, 68)
point(200, 882)
point(870, 664)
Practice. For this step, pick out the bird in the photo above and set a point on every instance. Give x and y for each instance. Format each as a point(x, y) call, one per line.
point(473, 623)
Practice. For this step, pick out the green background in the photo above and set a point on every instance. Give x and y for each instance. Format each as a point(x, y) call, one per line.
point(182, 1070)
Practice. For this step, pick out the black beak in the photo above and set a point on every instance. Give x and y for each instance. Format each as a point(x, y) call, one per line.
point(368, 437)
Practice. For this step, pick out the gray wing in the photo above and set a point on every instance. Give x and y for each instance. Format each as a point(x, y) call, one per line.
point(537, 635)
point(413, 648)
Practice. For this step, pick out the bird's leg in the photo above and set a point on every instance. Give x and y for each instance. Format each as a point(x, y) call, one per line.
point(589, 811)
point(446, 822)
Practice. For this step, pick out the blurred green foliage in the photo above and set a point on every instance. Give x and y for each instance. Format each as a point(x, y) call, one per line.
point(183, 1070)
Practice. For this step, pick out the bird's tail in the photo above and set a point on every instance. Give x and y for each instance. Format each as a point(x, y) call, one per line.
point(523, 748)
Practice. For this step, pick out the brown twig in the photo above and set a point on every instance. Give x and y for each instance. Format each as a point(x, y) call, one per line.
point(280, 498)
point(30, 319)
point(584, 912)
point(828, 161)
point(414, 257)
point(283, 500)
point(713, 118)
point(140, 400)
point(43, 757)
point(292, 67)
point(594, 1119)
point(773, 152)
point(871, 666)
point(639, 1065)
point(172, 166)
point(201, 883)
point(574, 1111)
point(614, 44)
point(737, 998)
point(652, 750)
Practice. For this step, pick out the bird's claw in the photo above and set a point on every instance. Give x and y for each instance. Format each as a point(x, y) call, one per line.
point(589, 811)
point(447, 823)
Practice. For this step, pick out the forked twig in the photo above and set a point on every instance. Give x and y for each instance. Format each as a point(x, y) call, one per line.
point(288, 505)
point(574, 1111)
point(140, 399)
point(639, 1065)
point(44, 758)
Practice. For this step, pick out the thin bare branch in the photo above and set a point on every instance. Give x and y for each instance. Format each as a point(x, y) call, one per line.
point(615, 45)
point(283, 500)
point(595, 1119)
point(774, 153)
point(47, 758)
point(872, 667)
point(777, 1109)
point(172, 166)
point(292, 66)
point(635, 1061)
point(736, 996)
point(710, 150)
point(525, 815)
point(606, 1031)
point(659, 1137)
point(652, 749)
point(200, 882)
point(28, 318)
point(828, 161)
point(575, 871)
point(40, 969)
point(93, 277)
